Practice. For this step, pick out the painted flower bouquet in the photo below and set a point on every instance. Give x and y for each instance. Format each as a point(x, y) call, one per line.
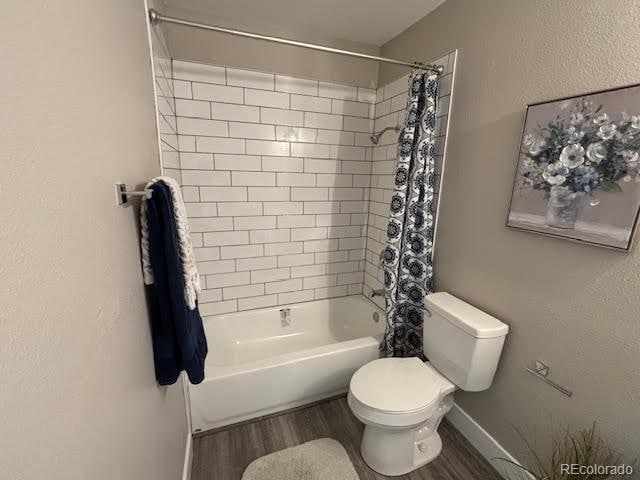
point(580, 155)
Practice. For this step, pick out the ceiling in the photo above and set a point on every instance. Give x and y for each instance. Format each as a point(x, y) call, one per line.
point(366, 21)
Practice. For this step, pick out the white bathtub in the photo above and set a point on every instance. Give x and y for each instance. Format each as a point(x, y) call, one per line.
point(257, 366)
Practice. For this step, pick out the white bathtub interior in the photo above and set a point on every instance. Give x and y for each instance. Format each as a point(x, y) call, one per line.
point(257, 334)
point(259, 365)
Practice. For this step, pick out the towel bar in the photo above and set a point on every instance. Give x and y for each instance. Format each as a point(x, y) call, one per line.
point(541, 371)
point(122, 194)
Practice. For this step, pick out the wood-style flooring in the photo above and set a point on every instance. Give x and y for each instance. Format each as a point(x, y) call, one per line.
point(224, 454)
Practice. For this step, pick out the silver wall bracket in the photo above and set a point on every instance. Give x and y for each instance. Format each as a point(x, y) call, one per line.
point(154, 16)
point(541, 371)
point(122, 194)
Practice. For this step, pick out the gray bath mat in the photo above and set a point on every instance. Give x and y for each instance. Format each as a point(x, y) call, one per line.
point(322, 459)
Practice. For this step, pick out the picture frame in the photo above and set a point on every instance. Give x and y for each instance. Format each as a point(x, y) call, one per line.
point(578, 168)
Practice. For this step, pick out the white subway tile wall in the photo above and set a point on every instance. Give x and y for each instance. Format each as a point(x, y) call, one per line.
point(389, 111)
point(288, 200)
point(275, 175)
point(167, 106)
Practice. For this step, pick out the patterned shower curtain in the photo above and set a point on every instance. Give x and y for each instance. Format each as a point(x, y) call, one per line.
point(407, 258)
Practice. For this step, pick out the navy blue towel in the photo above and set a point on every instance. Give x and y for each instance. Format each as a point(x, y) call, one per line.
point(179, 342)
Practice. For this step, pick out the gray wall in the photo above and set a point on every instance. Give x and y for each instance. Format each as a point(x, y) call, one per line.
point(79, 398)
point(201, 46)
point(574, 306)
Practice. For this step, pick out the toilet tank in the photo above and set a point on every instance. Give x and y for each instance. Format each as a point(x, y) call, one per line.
point(461, 341)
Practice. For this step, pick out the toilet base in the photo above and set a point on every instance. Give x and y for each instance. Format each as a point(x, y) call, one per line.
point(397, 452)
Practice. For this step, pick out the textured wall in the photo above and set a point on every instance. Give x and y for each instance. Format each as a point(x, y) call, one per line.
point(575, 306)
point(79, 398)
point(202, 46)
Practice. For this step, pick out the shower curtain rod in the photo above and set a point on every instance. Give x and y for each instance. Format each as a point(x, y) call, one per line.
point(156, 18)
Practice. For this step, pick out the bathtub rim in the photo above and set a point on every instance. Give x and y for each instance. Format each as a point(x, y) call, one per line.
point(369, 301)
point(290, 357)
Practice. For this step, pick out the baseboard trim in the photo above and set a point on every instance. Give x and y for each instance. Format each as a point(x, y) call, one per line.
point(188, 457)
point(488, 446)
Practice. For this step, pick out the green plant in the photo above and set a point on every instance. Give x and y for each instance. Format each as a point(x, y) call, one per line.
point(583, 447)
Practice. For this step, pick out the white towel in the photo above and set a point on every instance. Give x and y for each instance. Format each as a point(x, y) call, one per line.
point(189, 269)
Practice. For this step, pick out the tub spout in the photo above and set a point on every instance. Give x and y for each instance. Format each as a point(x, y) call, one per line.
point(285, 317)
point(377, 293)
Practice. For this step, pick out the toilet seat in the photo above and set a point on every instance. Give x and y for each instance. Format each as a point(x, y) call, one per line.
point(397, 392)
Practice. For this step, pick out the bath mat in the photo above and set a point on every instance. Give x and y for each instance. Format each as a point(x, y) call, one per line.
point(322, 459)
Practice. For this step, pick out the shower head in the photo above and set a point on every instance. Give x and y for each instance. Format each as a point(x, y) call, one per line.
point(375, 136)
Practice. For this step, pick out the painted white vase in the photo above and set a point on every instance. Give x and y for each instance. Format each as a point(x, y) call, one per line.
point(563, 207)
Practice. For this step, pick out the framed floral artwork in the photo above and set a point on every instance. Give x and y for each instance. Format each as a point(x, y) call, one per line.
point(578, 173)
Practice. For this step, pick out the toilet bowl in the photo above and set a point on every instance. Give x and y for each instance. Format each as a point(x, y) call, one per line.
point(401, 401)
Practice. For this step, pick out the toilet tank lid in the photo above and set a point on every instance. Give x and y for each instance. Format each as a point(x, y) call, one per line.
point(467, 317)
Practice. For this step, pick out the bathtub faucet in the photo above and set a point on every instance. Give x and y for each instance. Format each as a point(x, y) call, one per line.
point(285, 317)
point(377, 293)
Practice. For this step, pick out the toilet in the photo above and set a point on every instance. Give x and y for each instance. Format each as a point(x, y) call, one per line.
point(401, 401)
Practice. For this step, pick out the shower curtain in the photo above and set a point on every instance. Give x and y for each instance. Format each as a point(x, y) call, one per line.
point(407, 258)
